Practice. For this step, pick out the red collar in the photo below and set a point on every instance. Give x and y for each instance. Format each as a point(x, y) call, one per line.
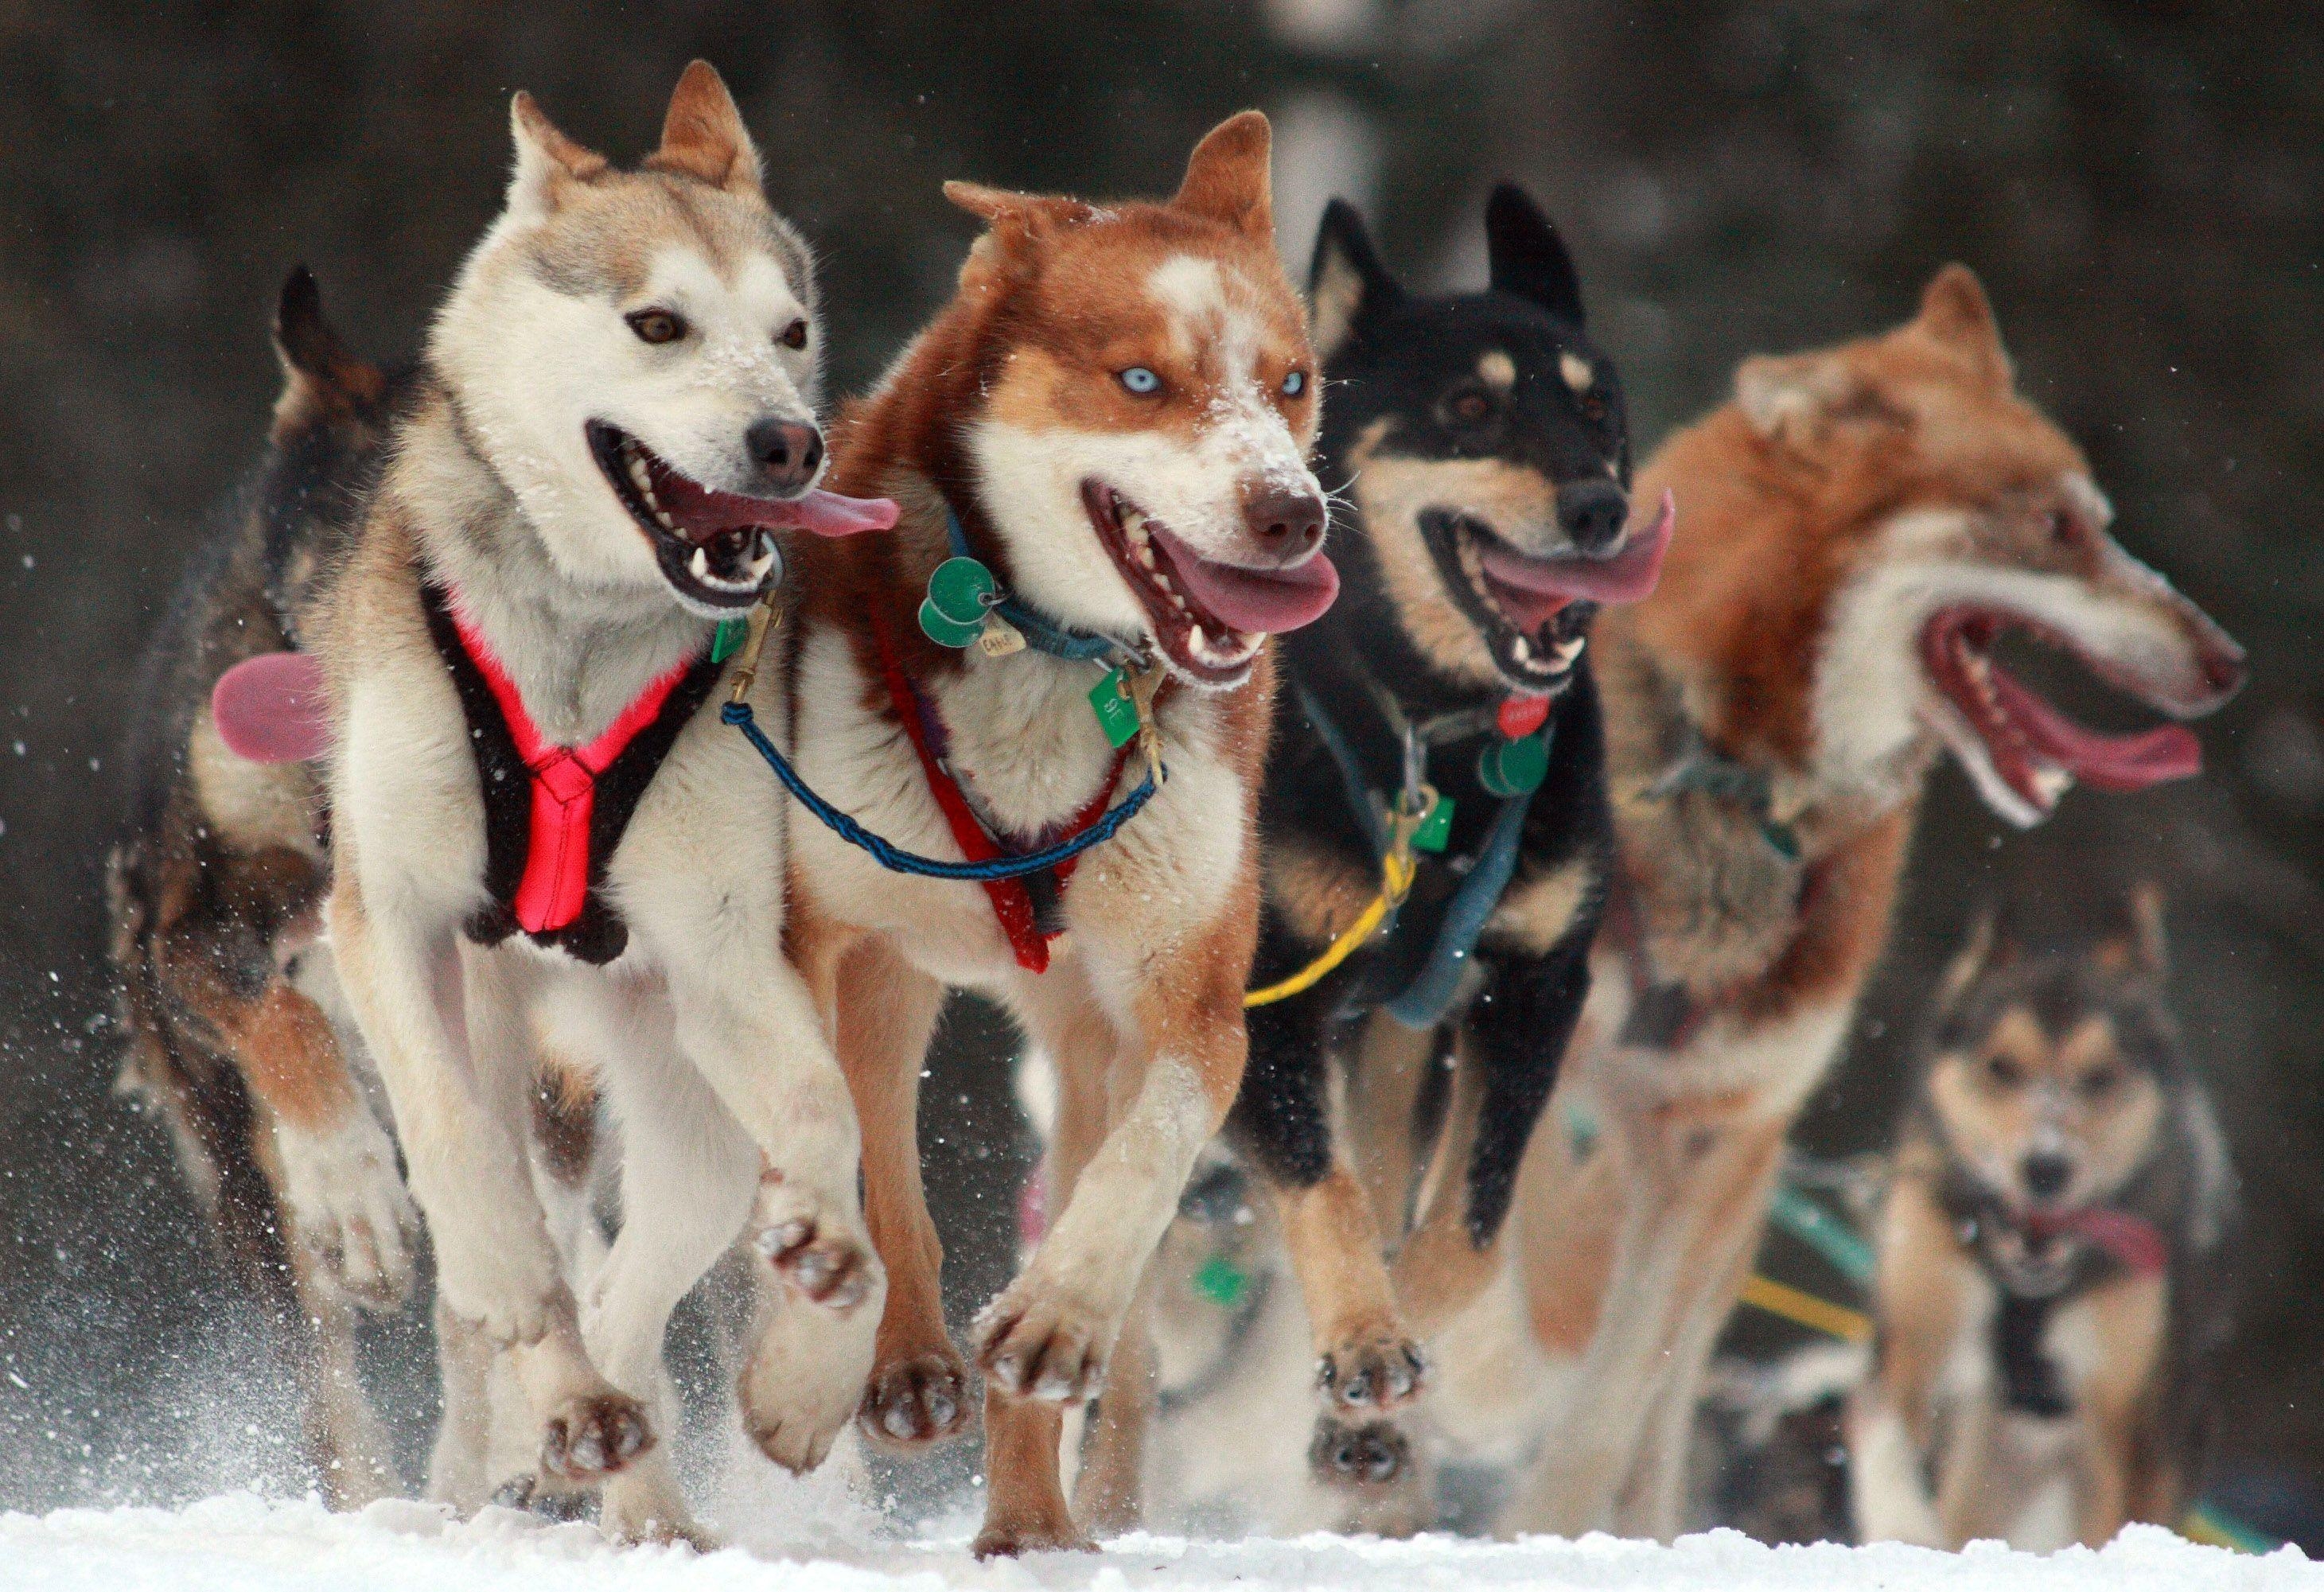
point(1012, 902)
point(555, 884)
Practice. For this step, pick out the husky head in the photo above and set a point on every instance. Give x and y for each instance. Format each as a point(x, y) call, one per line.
point(1487, 449)
point(1144, 401)
point(2052, 1075)
point(636, 354)
point(1941, 511)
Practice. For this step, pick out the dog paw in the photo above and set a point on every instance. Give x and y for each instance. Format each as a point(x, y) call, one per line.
point(805, 1378)
point(529, 1495)
point(1015, 1538)
point(826, 1261)
point(592, 1436)
point(1377, 1372)
point(1043, 1343)
point(642, 1505)
point(921, 1400)
point(349, 1206)
point(1368, 1455)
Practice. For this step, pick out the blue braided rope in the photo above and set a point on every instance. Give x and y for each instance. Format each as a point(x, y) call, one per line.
point(897, 859)
point(1041, 633)
point(1430, 995)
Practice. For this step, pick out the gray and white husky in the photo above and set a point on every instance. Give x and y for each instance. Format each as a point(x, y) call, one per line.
point(549, 856)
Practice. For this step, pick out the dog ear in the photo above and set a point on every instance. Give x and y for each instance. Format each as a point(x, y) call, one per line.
point(1017, 224)
point(703, 136)
point(1792, 396)
point(548, 165)
point(1528, 258)
point(1347, 283)
point(1985, 947)
point(322, 378)
point(1228, 179)
point(1956, 312)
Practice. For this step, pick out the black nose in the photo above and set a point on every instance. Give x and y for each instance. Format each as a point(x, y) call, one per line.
point(1288, 524)
point(787, 452)
point(2046, 1174)
point(1592, 514)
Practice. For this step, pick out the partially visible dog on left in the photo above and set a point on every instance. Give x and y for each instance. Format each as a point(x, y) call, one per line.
point(2054, 1286)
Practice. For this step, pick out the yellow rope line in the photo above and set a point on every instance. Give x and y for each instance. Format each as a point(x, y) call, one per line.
point(1396, 871)
point(1780, 1299)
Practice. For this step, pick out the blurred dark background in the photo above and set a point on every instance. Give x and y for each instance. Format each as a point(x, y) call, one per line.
point(2140, 185)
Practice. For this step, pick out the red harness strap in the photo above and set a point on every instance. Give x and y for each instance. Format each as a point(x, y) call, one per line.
point(1012, 902)
point(556, 880)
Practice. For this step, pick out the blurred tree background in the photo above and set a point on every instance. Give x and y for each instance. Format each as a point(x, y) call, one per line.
point(2140, 184)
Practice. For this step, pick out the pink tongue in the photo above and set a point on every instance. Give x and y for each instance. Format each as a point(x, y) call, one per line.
point(705, 512)
point(270, 709)
point(826, 513)
point(2105, 762)
point(1625, 577)
point(1269, 602)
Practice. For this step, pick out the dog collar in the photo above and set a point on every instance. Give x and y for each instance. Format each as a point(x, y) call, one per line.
point(966, 606)
point(555, 814)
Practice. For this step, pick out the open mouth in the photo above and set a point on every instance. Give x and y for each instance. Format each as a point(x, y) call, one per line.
point(2032, 751)
point(1535, 611)
point(1209, 618)
point(717, 549)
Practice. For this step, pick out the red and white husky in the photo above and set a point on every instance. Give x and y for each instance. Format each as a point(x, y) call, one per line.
point(1116, 409)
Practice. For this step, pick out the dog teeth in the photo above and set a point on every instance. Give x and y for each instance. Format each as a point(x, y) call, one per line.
point(1567, 651)
point(700, 564)
point(1523, 650)
point(1197, 641)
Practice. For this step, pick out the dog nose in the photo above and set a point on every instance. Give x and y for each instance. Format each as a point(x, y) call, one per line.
point(1592, 514)
point(1288, 524)
point(787, 452)
point(2046, 1174)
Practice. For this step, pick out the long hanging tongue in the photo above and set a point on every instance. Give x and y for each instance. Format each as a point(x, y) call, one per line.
point(270, 709)
point(2105, 762)
point(702, 512)
point(1627, 577)
point(1267, 600)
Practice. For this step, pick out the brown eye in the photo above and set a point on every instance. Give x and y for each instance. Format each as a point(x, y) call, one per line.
point(2061, 527)
point(794, 336)
point(656, 326)
point(2100, 1082)
point(1470, 407)
point(2003, 1073)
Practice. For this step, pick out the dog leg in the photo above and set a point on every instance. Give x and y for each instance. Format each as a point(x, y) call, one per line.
point(344, 1440)
point(1885, 1489)
point(1109, 1490)
point(1924, 1297)
point(884, 1014)
point(457, 1065)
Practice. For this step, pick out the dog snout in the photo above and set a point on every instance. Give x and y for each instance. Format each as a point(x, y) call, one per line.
point(788, 453)
point(1592, 514)
point(1287, 524)
point(2046, 1174)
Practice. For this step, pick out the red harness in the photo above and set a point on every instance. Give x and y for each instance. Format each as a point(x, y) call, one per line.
point(1012, 901)
point(543, 865)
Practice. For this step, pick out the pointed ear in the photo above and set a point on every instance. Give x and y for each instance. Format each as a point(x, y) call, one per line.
point(1017, 222)
point(1228, 179)
point(1792, 396)
point(703, 136)
point(1981, 949)
point(1530, 259)
point(321, 376)
point(1956, 312)
point(1347, 283)
point(548, 165)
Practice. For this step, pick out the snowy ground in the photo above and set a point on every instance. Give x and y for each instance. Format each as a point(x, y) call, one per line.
point(243, 1543)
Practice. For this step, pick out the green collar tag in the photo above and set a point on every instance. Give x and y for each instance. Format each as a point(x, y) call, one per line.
point(727, 639)
point(1221, 1282)
point(1116, 709)
point(1514, 768)
point(1435, 829)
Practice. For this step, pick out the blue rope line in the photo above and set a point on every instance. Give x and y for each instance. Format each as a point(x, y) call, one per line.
point(894, 858)
point(1430, 995)
point(1041, 633)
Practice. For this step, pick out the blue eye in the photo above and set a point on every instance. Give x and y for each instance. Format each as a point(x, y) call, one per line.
point(1295, 383)
point(1138, 378)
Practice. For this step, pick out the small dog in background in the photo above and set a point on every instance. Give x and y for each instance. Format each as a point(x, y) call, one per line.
point(215, 891)
point(2052, 1281)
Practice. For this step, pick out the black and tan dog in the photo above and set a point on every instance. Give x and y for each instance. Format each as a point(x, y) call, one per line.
point(2053, 1282)
point(215, 889)
point(1483, 456)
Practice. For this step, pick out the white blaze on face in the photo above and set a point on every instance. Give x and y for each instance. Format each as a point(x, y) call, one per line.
point(1193, 484)
point(530, 367)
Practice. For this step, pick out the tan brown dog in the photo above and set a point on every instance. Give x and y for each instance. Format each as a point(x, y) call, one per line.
point(2053, 1257)
point(1115, 413)
point(1862, 522)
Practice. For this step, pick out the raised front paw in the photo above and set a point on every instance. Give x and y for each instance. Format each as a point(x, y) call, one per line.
point(825, 1258)
point(348, 1207)
point(916, 1401)
point(1043, 1342)
point(1375, 1372)
point(805, 1376)
point(1371, 1454)
point(593, 1436)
